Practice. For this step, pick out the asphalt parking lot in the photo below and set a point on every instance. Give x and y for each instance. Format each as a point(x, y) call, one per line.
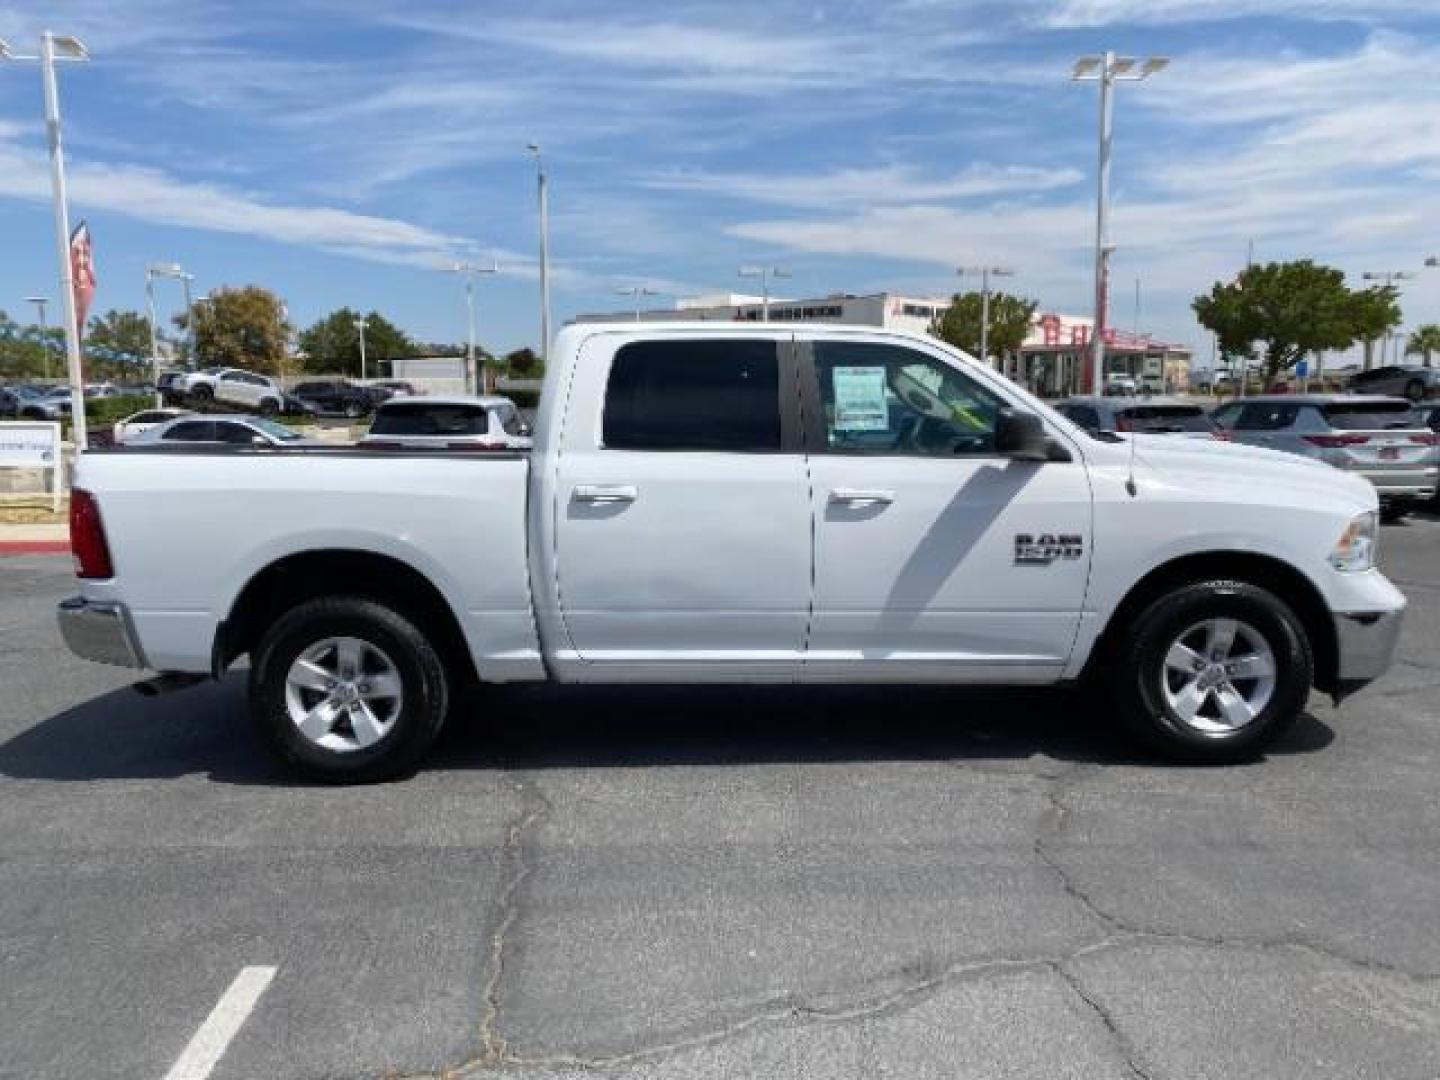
point(721, 882)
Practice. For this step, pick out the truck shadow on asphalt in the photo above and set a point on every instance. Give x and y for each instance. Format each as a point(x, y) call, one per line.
point(205, 730)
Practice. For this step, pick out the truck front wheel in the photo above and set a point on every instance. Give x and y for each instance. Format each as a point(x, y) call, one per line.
point(347, 690)
point(1212, 672)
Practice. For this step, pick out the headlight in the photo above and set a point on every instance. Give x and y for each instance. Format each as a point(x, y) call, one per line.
point(1355, 550)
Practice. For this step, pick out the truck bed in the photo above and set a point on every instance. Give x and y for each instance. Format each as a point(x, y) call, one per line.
point(189, 528)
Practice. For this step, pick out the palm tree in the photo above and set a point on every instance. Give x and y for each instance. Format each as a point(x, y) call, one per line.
point(1425, 340)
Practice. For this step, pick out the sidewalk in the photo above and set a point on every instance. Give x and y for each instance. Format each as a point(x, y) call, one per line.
point(34, 539)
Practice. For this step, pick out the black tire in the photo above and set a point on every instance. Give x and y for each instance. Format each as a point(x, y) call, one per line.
point(1415, 391)
point(1136, 668)
point(1394, 513)
point(422, 676)
point(354, 410)
point(203, 392)
point(269, 408)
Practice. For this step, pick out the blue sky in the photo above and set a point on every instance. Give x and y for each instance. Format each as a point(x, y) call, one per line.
point(339, 152)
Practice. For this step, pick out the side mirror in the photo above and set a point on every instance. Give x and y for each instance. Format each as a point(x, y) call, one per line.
point(259, 440)
point(1020, 435)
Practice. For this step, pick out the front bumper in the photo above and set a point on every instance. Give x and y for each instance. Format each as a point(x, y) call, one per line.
point(1367, 644)
point(100, 631)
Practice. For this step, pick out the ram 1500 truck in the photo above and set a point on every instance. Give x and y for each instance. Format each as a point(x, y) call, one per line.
point(763, 503)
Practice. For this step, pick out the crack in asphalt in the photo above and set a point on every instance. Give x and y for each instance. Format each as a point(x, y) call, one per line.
point(535, 809)
point(1123, 1045)
point(866, 1002)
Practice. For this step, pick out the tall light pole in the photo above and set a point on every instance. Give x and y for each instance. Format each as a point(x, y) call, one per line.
point(473, 378)
point(40, 302)
point(764, 273)
point(543, 198)
point(1389, 277)
point(1107, 70)
point(175, 272)
point(55, 47)
point(636, 292)
point(985, 273)
point(360, 323)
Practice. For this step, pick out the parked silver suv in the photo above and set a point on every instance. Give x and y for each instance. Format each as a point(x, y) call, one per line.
point(1413, 382)
point(1381, 438)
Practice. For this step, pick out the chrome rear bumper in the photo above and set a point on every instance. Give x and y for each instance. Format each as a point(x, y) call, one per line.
point(100, 631)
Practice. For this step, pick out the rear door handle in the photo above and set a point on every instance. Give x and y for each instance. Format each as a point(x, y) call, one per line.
point(606, 493)
point(874, 496)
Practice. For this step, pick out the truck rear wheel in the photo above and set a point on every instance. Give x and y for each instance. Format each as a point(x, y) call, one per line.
point(1212, 672)
point(347, 690)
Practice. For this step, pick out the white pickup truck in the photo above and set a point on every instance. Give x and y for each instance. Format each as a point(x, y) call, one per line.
point(717, 503)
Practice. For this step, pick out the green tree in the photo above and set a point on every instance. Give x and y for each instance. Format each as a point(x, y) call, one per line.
point(523, 363)
point(28, 352)
point(118, 339)
point(1290, 310)
point(1424, 341)
point(241, 327)
point(959, 324)
point(332, 345)
point(1374, 313)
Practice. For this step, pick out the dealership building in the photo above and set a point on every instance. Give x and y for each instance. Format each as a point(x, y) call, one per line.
point(1051, 362)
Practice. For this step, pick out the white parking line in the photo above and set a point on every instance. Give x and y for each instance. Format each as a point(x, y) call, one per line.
point(209, 1043)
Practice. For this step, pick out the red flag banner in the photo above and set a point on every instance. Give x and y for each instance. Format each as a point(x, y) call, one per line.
point(82, 274)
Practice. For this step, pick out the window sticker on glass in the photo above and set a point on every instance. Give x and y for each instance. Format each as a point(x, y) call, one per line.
point(860, 399)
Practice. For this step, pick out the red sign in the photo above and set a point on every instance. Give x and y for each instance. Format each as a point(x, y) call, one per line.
point(82, 274)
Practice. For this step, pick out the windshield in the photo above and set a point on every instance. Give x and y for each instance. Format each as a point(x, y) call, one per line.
point(274, 430)
point(1370, 415)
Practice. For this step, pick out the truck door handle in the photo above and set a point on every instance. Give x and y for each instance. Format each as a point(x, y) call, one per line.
point(876, 496)
point(606, 493)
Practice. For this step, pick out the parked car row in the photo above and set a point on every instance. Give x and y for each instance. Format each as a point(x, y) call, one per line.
point(1387, 440)
point(265, 396)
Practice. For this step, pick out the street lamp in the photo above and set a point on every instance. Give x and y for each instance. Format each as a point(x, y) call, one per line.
point(174, 272)
point(1107, 70)
point(1389, 277)
point(360, 323)
point(55, 47)
point(764, 273)
point(636, 291)
point(985, 273)
point(470, 270)
point(543, 198)
point(40, 302)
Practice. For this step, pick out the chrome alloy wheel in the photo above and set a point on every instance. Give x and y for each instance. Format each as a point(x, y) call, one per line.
point(1219, 675)
point(343, 694)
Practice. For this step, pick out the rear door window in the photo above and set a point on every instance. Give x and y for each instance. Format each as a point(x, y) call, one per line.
point(191, 431)
point(694, 395)
point(1267, 416)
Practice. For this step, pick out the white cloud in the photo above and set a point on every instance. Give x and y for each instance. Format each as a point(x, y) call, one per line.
point(1093, 13)
point(152, 195)
point(889, 184)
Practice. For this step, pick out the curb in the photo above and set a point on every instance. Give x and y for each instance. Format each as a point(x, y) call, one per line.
point(34, 547)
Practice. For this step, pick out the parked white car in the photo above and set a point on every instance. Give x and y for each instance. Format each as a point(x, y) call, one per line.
point(451, 422)
point(751, 503)
point(138, 423)
point(230, 385)
point(221, 430)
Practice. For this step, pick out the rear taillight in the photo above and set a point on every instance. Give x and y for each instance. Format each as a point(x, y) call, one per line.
point(1331, 442)
point(87, 537)
point(1429, 438)
point(1122, 422)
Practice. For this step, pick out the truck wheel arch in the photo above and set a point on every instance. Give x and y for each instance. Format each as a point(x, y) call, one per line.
point(1271, 574)
point(308, 575)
